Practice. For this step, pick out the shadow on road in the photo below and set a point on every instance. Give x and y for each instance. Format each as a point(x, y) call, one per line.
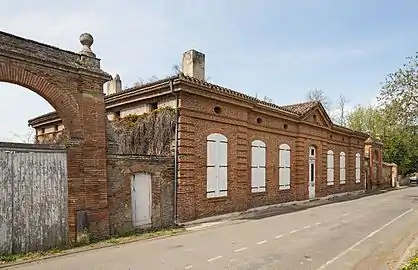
point(280, 210)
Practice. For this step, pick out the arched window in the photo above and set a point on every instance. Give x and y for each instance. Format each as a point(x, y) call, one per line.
point(342, 168)
point(284, 166)
point(358, 168)
point(258, 166)
point(217, 166)
point(330, 168)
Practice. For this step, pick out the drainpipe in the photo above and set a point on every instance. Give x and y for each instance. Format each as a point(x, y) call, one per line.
point(176, 144)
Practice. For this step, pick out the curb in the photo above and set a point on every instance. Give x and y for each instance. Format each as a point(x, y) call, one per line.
point(409, 252)
point(84, 249)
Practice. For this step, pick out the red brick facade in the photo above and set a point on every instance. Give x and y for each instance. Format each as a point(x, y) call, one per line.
point(242, 119)
point(73, 84)
point(242, 122)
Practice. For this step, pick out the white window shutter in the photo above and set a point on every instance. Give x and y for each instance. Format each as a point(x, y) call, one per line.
point(342, 168)
point(262, 167)
point(254, 167)
point(211, 167)
point(358, 168)
point(258, 166)
point(284, 166)
point(330, 167)
point(223, 167)
point(217, 165)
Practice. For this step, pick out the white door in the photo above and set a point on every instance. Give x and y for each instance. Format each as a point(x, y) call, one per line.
point(311, 181)
point(141, 199)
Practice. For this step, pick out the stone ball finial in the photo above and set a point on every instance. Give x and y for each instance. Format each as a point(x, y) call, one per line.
point(87, 40)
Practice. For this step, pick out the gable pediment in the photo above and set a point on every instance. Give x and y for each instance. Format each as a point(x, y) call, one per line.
point(318, 116)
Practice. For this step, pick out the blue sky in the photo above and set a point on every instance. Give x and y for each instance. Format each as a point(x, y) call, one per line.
point(280, 49)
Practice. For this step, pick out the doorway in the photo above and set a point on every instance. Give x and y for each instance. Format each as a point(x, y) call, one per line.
point(141, 194)
point(312, 172)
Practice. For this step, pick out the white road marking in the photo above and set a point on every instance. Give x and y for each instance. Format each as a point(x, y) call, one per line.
point(262, 242)
point(344, 215)
point(294, 231)
point(307, 227)
point(318, 223)
point(240, 249)
point(279, 236)
point(362, 240)
point(188, 267)
point(214, 258)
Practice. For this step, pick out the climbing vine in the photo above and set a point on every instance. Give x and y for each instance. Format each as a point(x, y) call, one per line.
point(146, 134)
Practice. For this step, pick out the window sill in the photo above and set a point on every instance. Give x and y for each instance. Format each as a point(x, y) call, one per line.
point(261, 193)
point(216, 199)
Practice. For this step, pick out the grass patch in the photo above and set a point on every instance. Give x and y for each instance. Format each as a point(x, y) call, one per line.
point(412, 263)
point(76, 247)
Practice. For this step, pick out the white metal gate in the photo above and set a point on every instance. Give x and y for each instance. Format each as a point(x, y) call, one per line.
point(33, 197)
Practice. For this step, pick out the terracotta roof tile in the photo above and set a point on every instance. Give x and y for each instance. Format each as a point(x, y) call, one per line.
point(296, 109)
point(301, 108)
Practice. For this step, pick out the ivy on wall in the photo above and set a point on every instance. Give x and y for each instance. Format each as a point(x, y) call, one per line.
point(146, 134)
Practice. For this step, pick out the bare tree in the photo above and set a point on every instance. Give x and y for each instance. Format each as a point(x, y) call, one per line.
point(177, 69)
point(267, 99)
point(342, 106)
point(28, 137)
point(319, 95)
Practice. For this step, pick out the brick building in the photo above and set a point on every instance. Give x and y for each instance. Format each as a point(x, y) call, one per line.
point(234, 151)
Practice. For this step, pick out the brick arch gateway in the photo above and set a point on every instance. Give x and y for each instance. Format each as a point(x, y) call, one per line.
point(73, 84)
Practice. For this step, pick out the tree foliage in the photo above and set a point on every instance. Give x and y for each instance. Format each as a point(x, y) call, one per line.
point(399, 141)
point(395, 120)
point(399, 94)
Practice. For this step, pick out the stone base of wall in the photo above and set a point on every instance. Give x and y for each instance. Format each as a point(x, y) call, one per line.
point(120, 169)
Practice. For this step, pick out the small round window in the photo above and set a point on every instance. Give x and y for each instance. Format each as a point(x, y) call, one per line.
point(217, 110)
point(259, 120)
point(285, 126)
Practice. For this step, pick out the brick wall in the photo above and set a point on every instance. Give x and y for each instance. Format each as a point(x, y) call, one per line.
point(241, 124)
point(120, 169)
point(73, 85)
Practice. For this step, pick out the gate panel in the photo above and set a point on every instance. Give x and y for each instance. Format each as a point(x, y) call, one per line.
point(33, 197)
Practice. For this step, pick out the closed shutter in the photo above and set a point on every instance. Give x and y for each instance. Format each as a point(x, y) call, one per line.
point(258, 166)
point(223, 167)
point(284, 167)
point(330, 167)
point(217, 165)
point(342, 168)
point(211, 167)
point(358, 168)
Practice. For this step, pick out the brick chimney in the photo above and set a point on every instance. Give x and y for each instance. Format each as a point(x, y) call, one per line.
point(193, 64)
point(114, 86)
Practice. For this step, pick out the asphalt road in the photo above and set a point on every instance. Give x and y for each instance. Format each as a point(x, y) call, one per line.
point(367, 233)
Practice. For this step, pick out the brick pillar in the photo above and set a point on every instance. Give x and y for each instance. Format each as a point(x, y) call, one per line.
point(351, 162)
point(300, 180)
point(187, 167)
point(87, 172)
point(242, 183)
point(94, 161)
point(322, 186)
